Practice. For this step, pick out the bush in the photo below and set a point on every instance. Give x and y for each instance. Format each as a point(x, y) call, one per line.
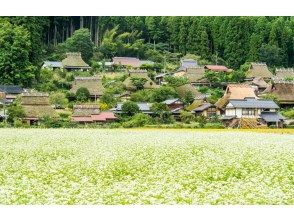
point(187, 117)
point(82, 94)
point(138, 120)
point(130, 108)
point(289, 113)
point(58, 99)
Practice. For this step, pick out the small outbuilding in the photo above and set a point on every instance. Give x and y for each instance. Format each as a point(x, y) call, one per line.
point(74, 62)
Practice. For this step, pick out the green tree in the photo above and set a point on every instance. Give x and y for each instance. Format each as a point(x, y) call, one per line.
point(58, 99)
point(15, 112)
point(187, 117)
point(108, 99)
point(271, 54)
point(162, 113)
point(81, 42)
point(15, 66)
point(138, 82)
point(130, 108)
point(82, 94)
point(163, 93)
point(188, 98)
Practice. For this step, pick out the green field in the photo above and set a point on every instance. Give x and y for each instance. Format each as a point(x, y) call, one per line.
point(93, 166)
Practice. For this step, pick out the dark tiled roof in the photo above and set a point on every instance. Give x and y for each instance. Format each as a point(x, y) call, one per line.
point(170, 101)
point(188, 63)
point(11, 89)
point(202, 107)
point(254, 103)
point(271, 116)
point(55, 64)
point(143, 106)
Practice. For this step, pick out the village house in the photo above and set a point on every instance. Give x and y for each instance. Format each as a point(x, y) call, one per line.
point(74, 62)
point(132, 62)
point(52, 65)
point(284, 75)
point(187, 63)
point(149, 84)
point(36, 106)
point(173, 104)
point(284, 91)
point(11, 92)
point(258, 70)
point(235, 92)
point(144, 107)
point(93, 84)
point(159, 79)
point(90, 113)
point(202, 107)
point(263, 111)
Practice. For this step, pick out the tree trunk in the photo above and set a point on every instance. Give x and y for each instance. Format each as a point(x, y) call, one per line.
point(81, 22)
point(71, 27)
point(91, 26)
point(97, 33)
point(55, 34)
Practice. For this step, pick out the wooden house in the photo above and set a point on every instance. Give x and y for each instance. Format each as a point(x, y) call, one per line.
point(74, 62)
point(235, 92)
point(258, 70)
point(284, 91)
point(11, 92)
point(173, 104)
point(93, 84)
point(90, 113)
point(36, 105)
point(202, 107)
point(262, 111)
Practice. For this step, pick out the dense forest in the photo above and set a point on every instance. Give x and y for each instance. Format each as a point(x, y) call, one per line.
point(27, 41)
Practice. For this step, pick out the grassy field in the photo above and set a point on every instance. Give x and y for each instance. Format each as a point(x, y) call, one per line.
point(146, 166)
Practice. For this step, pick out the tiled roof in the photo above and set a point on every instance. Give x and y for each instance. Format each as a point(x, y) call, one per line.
point(170, 101)
point(188, 63)
point(271, 116)
point(11, 89)
point(202, 107)
point(143, 106)
point(253, 103)
point(55, 64)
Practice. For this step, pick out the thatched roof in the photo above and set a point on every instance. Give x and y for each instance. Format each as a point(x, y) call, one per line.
point(260, 83)
point(217, 68)
point(195, 74)
point(148, 85)
point(284, 92)
point(85, 110)
point(37, 105)
point(74, 60)
point(93, 84)
point(283, 73)
point(2, 95)
point(236, 92)
point(182, 90)
point(258, 70)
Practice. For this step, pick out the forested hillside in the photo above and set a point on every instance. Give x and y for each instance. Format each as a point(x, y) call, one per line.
point(26, 41)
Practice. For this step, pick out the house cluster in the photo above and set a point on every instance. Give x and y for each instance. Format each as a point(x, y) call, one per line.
point(242, 105)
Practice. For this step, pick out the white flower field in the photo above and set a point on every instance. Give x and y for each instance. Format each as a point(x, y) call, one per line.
point(95, 166)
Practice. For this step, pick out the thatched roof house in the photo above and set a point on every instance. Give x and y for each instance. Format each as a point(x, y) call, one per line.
point(284, 92)
point(88, 113)
point(149, 84)
point(236, 92)
point(282, 74)
point(130, 62)
point(258, 70)
point(74, 61)
point(36, 105)
point(93, 84)
point(184, 89)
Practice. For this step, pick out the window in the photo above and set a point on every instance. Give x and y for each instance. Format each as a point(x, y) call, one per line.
point(248, 111)
point(211, 112)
